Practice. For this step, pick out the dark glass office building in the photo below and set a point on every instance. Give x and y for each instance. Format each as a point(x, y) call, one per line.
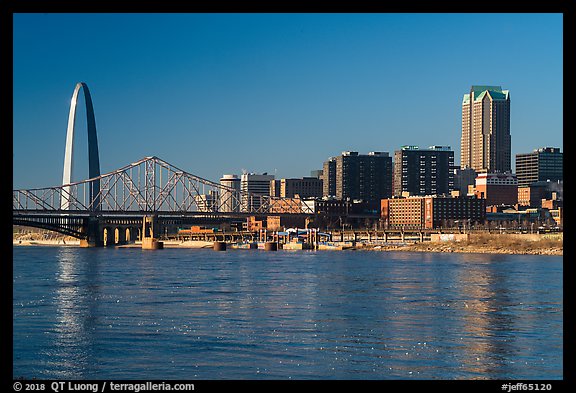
point(359, 176)
point(542, 164)
point(423, 171)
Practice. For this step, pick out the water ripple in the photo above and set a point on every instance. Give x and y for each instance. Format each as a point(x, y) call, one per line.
point(181, 314)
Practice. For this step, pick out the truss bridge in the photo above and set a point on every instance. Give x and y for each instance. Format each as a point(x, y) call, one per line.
point(116, 203)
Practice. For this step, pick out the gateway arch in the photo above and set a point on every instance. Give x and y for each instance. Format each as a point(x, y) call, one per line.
point(93, 158)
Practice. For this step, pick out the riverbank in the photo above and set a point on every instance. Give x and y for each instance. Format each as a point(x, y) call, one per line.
point(44, 242)
point(551, 244)
point(488, 243)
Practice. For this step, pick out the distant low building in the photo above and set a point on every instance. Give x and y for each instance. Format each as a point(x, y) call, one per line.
point(306, 187)
point(552, 203)
point(280, 223)
point(334, 213)
point(430, 212)
point(273, 223)
point(338, 208)
point(255, 223)
point(513, 218)
point(532, 195)
point(207, 202)
point(497, 188)
point(285, 205)
point(558, 216)
point(463, 178)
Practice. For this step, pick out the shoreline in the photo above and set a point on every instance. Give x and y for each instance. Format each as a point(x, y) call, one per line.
point(60, 243)
point(442, 247)
point(467, 249)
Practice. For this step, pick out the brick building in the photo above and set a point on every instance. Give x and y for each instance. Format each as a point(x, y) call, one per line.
point(497, 188)
point(431, 212)
point(532, 195)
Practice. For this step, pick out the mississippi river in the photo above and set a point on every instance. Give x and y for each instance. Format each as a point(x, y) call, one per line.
point(127, 313)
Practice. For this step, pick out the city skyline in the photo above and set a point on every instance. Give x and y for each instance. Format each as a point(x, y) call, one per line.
point(280, 93)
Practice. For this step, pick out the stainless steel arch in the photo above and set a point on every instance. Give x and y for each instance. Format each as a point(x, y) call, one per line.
point(93, 157)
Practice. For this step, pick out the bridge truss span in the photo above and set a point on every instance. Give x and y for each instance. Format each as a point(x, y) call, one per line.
point(151, 186)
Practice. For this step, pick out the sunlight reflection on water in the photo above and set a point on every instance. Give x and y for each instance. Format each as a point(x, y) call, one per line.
point(241, 314)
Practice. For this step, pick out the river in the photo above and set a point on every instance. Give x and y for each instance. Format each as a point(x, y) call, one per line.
point(126, 313)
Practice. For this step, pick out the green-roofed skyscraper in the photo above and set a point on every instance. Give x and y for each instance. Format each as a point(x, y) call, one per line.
point(485, 143)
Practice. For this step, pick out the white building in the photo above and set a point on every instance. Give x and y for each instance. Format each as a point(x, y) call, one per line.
point(207, 202)
point(230, 197)
point(252, 187)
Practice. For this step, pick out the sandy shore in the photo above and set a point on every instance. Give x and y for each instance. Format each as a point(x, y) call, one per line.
point(489, 244)
point(452, 247)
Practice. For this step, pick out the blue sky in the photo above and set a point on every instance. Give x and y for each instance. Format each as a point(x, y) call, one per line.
point(277, 93)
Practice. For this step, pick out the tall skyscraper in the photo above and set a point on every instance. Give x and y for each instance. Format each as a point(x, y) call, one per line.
point(359, 176)
point(541, 165)
point(485, 143)
point(423, 171)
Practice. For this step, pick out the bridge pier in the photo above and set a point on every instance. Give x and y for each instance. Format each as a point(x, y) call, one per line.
point(86, 243)
point(149, 239)
point(92, 229)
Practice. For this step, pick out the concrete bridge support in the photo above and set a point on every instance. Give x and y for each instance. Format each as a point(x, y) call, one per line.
point(149, 239)
point(94, 232)
point(108, 234)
